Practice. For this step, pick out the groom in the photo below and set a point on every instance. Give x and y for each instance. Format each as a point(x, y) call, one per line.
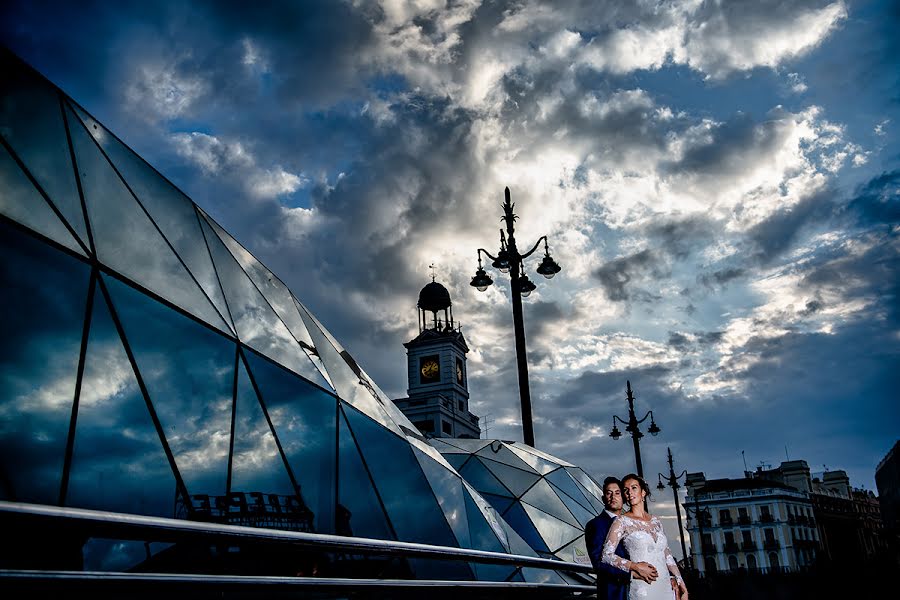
point(612, 583)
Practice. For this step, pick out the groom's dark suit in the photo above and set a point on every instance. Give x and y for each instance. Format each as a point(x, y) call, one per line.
point(612, 583)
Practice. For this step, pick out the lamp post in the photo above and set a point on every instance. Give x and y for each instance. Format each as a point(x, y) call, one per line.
point(672, 482)
point(701, 514)
point(631, 426)
point(509, 260)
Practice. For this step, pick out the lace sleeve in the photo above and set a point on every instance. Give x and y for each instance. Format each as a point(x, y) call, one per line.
point(612, 542)
point(673, 566)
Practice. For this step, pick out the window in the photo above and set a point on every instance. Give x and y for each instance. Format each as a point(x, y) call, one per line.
point(462, 405)
point(745, 535)
point(751, 562)
point(725, 516)
point(770, 535)
point(773, 560)
point(446, 427)
point(733, 563)
point(710, 564)
point(426, 426)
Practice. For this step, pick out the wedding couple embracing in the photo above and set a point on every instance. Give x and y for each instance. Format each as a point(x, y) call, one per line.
point(629, 550)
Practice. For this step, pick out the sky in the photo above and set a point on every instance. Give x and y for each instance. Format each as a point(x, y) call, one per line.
point(720, 182)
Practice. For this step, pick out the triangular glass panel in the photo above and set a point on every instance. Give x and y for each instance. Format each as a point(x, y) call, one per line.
point(483, 537)
point(537, 463)
point(575, 552)
point(500, 503)
point(21, 202)
point(477, 505)
point(127, 240)
point(313, 354)
point(516, 480)
point(42, 308)
point(517, 578)
point(359, 511)
point(257, 324)
point(457, 460)
point(350, 385)
point(500, 453)
point(447, 488)
point(422, 445)
point(542, 496)
point(32, 123)
point(590, 489)
point(554, 532)
point(517, 545)
point(188, 370)
point(468, 445)
point(118, 461)
point(518, 520)
point(171, 210)
point(582, 514)
point(446, 449)
point(545, 576)
point(400, 482)
point(272, 288)
point(483, 480)
point(561, 479)
point(256, 465)
point(540, 454)
point(304, 417)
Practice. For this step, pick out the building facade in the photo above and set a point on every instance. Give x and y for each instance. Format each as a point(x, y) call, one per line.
point(737, 524)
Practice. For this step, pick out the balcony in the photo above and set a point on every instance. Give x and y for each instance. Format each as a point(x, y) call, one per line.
point(744, 520)
point(726, 522)
point(709, 549)
point(749, 546)
point(771, 545)
point(766, 518)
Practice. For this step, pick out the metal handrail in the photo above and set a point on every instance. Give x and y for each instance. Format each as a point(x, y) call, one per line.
point(140, 527)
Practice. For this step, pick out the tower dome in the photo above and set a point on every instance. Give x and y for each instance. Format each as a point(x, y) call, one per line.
point(434, 297)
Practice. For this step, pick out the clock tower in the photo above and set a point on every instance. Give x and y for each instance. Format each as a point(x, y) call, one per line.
point(438, 402)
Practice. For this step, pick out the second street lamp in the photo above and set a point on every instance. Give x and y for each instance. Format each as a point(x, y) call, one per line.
point(672, 482)
point(509, 260)
point(631, 426)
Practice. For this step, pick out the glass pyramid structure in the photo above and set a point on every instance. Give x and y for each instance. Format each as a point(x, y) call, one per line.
point(547, 500)
point(152, 365)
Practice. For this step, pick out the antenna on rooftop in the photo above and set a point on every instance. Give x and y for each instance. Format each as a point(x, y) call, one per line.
point(745, 460)
point(486, 424)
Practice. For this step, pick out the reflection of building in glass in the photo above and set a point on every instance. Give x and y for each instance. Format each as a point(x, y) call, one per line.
point(151, 365)
point(438, 402)
point(545, 499)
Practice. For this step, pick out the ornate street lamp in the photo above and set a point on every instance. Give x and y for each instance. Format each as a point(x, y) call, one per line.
point(509, 260)
point(631, 426)
point(672, 482)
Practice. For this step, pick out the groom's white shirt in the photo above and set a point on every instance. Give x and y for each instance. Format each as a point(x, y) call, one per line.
point(611, 513)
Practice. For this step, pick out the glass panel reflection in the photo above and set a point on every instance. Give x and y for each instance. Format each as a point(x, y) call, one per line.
point(256, 323)
point(20, 201)
point(304, 417)
point(32, 123)
point(580, 513)
point(553, 531)
point(447, 489)
point(257, 465)
point(517, 480)
point(519, 521)
point(500, 453)
point(359, 510)
point(542, 496)
point(42, 307)
point(482, 479)
point(172, 211)
point(400, 482)
point(189, 373)
point(126, 239)
point(118, 462)
point(562, 480)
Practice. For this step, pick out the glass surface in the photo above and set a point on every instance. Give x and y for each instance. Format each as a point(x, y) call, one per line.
point(542, 496)
point(257, 324)
point(42, 306)
point(487, 512)
point(407, 497)
point(447, 488)
point(102, 554)
point(426, 448)
point(32, 124)
point(347, 383)
point(272, 289)
point(500, 453)
point(127, 240)
point(500, 503)
point(304, 418)
point(359, 511)
point(532, 575)
point(581, 514)
point(561, 479)
point(118, 462)
point(468, 445)
point(518, 520)
point(537, 463)
point(189, 373)
point(457, 460)
point(447, 449)
point(554, 532)
point(540, 454)
point(484, 538)
point(170, 210)
point(257, 465)
point(588, 487)
point(516, 480)
point(20, 201)
point(483, 480)
point(313, 355)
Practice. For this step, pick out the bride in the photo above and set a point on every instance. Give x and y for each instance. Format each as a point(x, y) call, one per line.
point(643, 537)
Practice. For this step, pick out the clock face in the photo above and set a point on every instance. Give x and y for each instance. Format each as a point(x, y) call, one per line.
point(429, 369)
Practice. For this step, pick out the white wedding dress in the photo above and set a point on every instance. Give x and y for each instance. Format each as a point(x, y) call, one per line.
point(645, 542)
